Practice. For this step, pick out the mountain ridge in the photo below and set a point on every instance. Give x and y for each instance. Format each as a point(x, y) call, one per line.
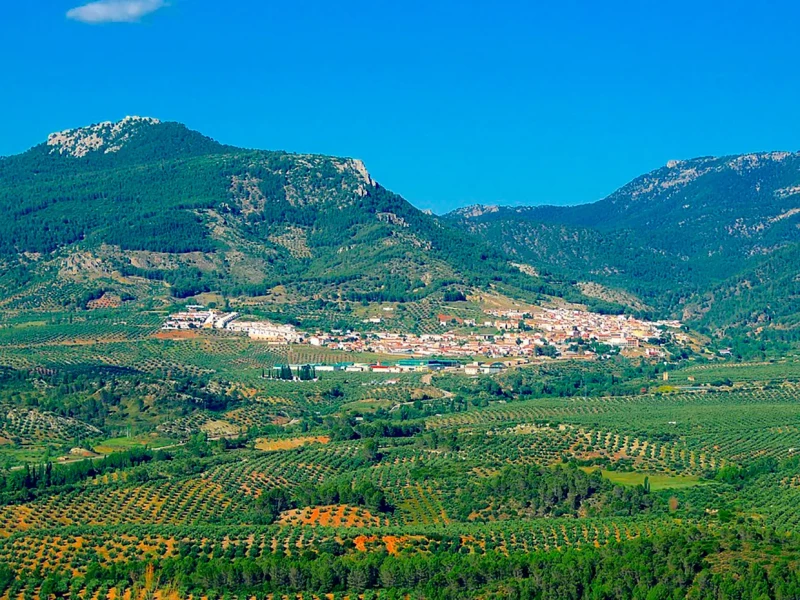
point(172, 210)
point(678, 238)
point(165, 208)
point(634, 188)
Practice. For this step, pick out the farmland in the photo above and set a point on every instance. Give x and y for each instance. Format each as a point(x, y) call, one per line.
point(214, 465)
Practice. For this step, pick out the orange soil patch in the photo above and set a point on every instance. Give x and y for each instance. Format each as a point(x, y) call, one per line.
point(268, 445)
point(362, 540)
point(394, 543)
point(324, 517)
point(176, 335)
point(336, 515)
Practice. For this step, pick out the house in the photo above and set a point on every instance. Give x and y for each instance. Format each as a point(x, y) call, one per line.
point(473, 368)
point(267, 332)
point(620, 342)
point(223, 321)
point(448, 319)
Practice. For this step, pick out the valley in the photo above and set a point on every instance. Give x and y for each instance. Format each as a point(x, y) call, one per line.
point(232, 373)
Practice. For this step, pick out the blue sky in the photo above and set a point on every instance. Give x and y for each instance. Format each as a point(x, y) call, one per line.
point(449, 103)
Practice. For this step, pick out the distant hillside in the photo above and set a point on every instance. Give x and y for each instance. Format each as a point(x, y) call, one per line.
point(709, 239)
point(146, 209)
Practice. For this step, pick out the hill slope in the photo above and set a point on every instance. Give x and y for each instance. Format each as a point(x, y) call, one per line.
point(145, 208)
point(694, 238)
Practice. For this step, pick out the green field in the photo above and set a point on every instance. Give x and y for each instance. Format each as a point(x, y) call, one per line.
point(121, 444)
point(658, 481)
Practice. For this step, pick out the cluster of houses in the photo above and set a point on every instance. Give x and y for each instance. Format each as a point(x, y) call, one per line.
point(563, 326)
point(199, 317)
point(511, 334)
point(444, 344)
point(268, 332)
point(516, 333)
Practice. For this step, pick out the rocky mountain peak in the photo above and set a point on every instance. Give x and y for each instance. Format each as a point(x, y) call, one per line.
point(107, 137)
point(475, 211)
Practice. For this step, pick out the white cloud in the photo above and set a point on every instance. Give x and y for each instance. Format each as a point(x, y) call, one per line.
point(115, 11)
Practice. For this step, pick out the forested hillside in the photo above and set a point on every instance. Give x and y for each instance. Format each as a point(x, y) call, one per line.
point(709, 240)
point(148, 209)
point(144, 210)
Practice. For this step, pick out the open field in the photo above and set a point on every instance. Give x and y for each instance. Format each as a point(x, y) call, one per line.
point(657, 481)
point(126, 443)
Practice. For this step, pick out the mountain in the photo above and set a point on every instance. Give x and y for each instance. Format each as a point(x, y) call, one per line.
point(149, 211)
point(145, 209)
point(710, 240)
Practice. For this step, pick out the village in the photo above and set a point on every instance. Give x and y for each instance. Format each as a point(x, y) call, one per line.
point(504, 338)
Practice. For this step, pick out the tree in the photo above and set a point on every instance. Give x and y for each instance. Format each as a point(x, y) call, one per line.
point(370, 450)
point(273, 502)
point(306, 374)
